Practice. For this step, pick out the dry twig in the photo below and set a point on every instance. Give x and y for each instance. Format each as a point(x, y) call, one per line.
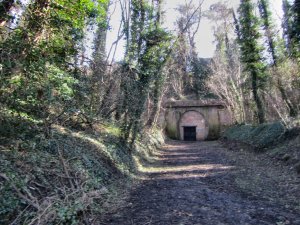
point(30, 200)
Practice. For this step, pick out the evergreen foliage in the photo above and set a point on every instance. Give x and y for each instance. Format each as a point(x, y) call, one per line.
point(251, 52)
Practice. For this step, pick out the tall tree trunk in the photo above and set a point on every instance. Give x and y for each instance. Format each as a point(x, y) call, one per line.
point(252, 51)
point(141, 27)
point(158, 81)
point(158, 13)
point(99, 69)
point(156, 104)
point(286, 25)
point(270, 35)
point(236, 26)
point(106, 103)
point(292, 109)
point(297, 23)
point(257, 99)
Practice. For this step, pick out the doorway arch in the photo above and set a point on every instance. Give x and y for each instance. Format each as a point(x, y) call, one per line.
point(194, 123)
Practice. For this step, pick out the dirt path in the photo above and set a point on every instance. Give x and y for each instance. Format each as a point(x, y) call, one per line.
point(205, 183)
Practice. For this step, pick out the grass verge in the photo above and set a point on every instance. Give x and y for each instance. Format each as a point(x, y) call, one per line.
point(273, 139)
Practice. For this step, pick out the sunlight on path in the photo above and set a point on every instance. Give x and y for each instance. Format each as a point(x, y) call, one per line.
point(176, 162)
point(200, 183)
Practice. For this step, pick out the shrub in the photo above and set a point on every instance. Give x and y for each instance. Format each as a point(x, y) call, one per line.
point(260, 136)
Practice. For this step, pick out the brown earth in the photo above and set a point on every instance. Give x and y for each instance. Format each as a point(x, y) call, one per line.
point(205, 183)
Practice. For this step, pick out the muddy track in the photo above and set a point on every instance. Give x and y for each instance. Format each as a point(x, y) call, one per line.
point(205, 183)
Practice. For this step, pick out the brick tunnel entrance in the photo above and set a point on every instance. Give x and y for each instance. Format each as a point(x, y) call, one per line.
point(193, 126)
point(208, 117)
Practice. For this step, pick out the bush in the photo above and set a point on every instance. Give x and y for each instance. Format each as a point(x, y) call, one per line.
point(260, 136)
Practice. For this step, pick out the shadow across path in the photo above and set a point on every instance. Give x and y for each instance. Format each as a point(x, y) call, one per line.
point(196, 183)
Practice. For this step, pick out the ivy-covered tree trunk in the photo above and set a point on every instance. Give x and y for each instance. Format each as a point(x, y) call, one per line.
point(159, 80)
point(98, 88)
point(297, 22)
point(145, 57)
point(287, 25)
point(158, 86)
point(257, 99)
point(251, 52)
point(266, 15)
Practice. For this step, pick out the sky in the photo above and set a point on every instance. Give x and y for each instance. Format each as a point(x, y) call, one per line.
point(204, 38)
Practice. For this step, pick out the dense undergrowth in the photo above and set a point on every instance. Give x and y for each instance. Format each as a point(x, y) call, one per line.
point(259, 136)
point(67, 178)
point(275, 139)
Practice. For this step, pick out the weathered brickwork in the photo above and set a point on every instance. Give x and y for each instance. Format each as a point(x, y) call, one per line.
point(194, 118)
